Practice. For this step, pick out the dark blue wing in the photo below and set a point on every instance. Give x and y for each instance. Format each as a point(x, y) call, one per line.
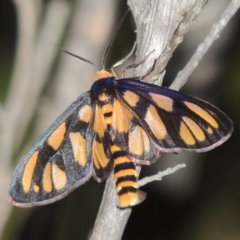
point(175, 121)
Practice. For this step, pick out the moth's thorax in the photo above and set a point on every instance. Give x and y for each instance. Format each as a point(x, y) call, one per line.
point(102, 87)
point(103, 94)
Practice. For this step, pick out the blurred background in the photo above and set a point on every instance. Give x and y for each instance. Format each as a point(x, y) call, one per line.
point(38, 81)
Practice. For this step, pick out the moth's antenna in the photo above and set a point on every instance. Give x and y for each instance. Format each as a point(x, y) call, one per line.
point(81, 58)
point(113, 37)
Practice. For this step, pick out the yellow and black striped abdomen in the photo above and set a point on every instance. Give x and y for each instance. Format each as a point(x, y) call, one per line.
point(125, 173)
point(125, 176)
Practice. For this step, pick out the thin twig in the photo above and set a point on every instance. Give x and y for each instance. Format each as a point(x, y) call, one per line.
point(160, 175)
point(202, 49)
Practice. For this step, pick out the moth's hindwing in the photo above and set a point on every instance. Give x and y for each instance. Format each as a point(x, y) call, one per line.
point(100, 146)
point(58, 162)
point(173, 120)
point(130, 135)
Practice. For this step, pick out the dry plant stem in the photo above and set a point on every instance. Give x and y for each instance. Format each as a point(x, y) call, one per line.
point(190, 12)
point(160, 175)
point(202, 49)
point(111, 220)
point(174, 18)
point(35, 54)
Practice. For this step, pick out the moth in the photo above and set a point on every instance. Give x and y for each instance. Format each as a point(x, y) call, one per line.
point(117, 124)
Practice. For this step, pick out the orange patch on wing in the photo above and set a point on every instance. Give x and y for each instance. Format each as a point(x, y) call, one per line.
point(85, 113)
point(121, 117)
point(146, 141)
point(36, 188)
point(163, 102)
point(209, 130)
point(79, 147)
point(99, 157)
point(28, 172)
point(202, 113)
point(196, 130)
point(99, 122)
point(56, 138)
point(186, 135)
point(138, 141)
point(131, 98)
point(47, 180)
point(155, 123)
point(59, 177)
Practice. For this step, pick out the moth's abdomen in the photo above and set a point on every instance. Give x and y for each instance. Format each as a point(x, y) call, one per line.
point(125, 176)
point(118, 125)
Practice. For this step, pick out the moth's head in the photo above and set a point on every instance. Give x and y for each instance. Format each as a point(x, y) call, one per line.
point(102, 74)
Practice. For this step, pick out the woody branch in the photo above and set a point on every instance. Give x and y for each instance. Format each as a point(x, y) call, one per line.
point(160, 26)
